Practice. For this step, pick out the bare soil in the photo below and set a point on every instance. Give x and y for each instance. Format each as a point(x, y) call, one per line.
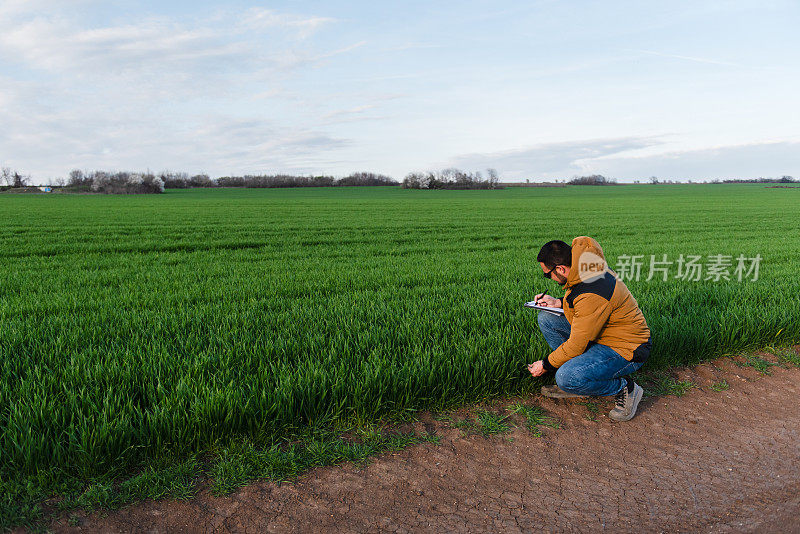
point(710, 461)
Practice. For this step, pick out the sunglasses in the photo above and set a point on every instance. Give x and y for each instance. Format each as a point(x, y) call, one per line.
point(548, 273)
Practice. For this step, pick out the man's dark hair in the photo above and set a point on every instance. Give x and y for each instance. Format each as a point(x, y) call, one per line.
point(555, 253)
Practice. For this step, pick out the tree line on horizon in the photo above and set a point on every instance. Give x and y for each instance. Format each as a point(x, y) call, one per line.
point(451, 178)
point(98, 181)
point(125, 182)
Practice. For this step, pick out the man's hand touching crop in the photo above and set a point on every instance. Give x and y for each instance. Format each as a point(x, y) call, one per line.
point(536, 368)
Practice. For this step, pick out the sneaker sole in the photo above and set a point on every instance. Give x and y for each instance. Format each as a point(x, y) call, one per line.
point(560, 394)
point(637, 396)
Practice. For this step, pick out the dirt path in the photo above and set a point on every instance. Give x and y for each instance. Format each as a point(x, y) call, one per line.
point(710, 461)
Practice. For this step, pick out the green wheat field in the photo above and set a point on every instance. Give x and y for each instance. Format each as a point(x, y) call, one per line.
point(134, 328)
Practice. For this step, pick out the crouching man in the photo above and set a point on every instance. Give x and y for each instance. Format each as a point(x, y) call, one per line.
point(602, 336)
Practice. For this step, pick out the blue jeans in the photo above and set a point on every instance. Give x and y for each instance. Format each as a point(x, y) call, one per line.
point(598, 371)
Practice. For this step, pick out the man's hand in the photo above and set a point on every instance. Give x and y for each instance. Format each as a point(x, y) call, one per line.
point(536, 368)
point(546, 300)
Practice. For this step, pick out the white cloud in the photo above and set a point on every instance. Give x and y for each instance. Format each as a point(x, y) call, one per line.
point(411, 46)
point(751, 160)
point(10, 9)
point(137, 94)
point(552, 160)
point(624, 159)
point(217, 145)
point(688, 58)
point(260, 18)
point(358, 110)
point(150, 46)
point(250, 146)
point(58, 44)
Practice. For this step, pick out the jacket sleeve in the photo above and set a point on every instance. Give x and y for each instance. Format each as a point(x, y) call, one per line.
point(591, 314)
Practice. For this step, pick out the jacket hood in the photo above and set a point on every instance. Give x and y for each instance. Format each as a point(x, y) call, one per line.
point(588, 261)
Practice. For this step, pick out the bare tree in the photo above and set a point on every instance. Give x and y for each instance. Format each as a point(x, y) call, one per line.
point(78, 178)
point(493, 178)
point(14, 178)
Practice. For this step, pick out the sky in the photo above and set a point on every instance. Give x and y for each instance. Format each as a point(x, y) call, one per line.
point(539, 90)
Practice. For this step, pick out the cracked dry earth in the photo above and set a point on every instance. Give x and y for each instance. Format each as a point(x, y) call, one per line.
point(710, 461)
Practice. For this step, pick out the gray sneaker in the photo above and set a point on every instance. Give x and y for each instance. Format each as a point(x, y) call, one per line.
point(626, 401)
point(555, 392)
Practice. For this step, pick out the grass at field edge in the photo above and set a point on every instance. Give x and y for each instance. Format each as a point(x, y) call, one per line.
point(34, 501)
